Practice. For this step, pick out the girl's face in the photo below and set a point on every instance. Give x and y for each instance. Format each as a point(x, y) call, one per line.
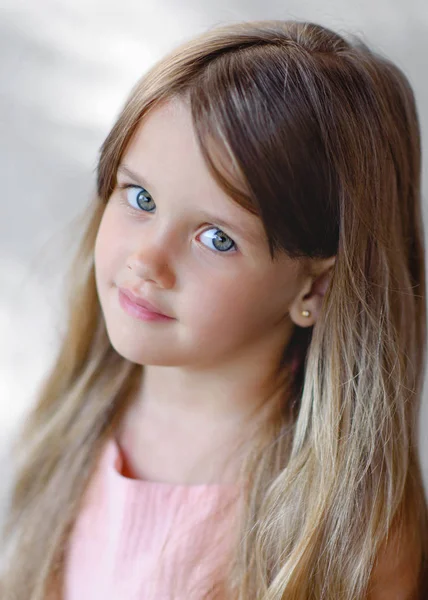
point(173, 237)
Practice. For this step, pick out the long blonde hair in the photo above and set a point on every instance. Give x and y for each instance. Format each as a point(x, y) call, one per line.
point(324, 134)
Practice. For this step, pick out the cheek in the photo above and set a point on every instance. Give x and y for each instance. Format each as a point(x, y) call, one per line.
point(108, 251)
point(232, 302)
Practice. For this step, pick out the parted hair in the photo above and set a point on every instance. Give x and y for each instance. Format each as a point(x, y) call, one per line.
point(324, 135)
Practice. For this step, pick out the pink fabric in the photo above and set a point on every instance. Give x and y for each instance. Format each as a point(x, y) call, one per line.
point(116, 547)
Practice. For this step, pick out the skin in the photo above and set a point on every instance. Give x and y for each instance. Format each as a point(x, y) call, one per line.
point(207, 371)
point(209, 368)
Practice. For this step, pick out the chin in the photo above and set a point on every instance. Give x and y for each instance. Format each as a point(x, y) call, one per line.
point(137, 354)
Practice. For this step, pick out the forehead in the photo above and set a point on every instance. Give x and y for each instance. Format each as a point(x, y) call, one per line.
point(164, 147)
point(165, 153)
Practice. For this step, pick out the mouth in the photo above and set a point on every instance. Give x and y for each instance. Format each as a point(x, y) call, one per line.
point(139, 307)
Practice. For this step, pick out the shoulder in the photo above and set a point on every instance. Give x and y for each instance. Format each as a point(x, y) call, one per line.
point(397, 570)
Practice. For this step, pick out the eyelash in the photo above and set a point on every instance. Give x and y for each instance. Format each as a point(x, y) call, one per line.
point(127, 186)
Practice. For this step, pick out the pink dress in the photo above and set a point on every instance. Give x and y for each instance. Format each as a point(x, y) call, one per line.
point(144, 540)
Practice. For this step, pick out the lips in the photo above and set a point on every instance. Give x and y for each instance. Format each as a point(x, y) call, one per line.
point(143, 303)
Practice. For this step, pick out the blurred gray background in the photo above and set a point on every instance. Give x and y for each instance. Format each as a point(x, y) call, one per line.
point(66, 67)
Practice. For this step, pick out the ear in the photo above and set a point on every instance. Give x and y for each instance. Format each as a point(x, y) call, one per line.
point(311, 294)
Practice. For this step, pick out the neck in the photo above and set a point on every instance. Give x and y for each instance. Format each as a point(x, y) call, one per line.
point(185, 424)
point(216, 396)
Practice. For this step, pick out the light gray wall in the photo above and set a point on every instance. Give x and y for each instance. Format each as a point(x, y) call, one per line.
point(66, 66)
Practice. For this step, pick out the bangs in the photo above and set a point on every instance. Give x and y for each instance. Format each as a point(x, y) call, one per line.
point(262, 142)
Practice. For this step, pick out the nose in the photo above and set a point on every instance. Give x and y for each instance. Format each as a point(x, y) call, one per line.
point(150, 262)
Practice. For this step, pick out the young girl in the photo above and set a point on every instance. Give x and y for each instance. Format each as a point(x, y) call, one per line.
point(233, 410)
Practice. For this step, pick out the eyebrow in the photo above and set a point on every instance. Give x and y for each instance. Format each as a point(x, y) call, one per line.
point(243, 231)
point(122, 168)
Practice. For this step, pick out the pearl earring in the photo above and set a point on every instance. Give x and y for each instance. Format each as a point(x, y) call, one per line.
point(306, 313)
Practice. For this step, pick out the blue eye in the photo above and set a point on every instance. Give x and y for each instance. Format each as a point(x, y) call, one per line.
point(219, 240)
point(143, 199)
